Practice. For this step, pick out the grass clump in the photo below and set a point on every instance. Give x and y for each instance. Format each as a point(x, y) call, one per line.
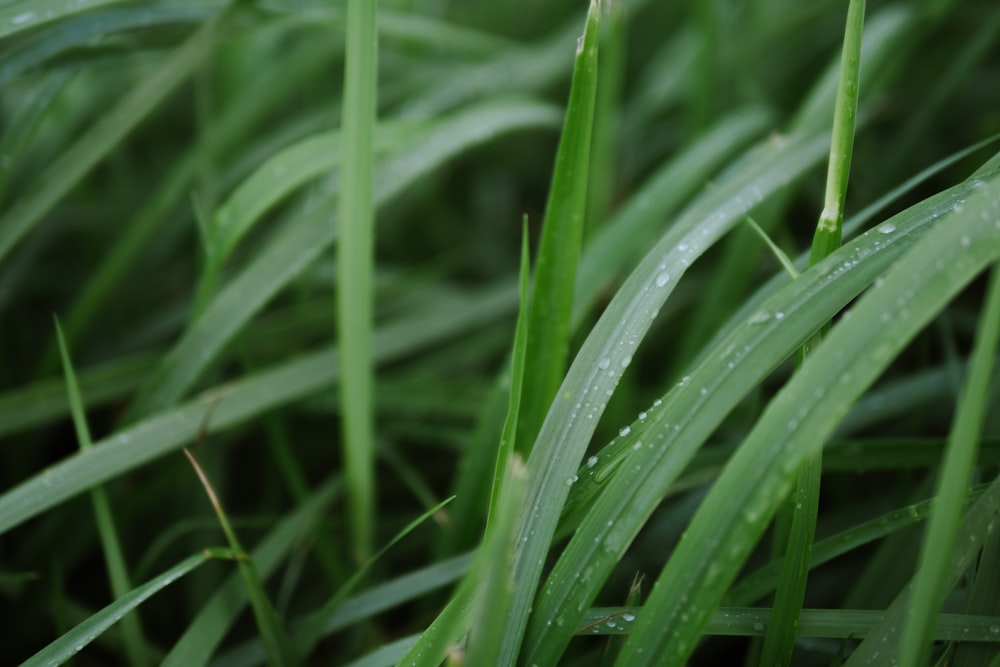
point(688, 429)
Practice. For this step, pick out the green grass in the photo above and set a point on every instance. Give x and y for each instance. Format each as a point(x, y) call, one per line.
point(596, 389)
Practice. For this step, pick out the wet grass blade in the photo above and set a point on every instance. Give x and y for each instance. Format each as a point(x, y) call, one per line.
point(559, 248)
point(72, 642)
point(940, 539)
point(760, 474)
point(794, 535)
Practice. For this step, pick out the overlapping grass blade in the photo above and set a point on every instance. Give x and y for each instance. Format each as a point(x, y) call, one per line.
point(796, 525)
point(608, 351)
point(74, 641)
point(234, 403)
point(881, 644)
point(26, 15)
point(940, 538)
point(308, 236)
point(759, 475)
point(631, 475)
point(197, 645)
point(108, 131)
point(832, 623)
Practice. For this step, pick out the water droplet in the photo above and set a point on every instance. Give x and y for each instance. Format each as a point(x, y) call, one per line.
point(592, 461)
point(628, 618)
point(626, 360)
point(758, 626)
point(662, 279)
point(625, 431)
point(886, 228)
point(779, 316)
point(642, 416)
point(604, 363)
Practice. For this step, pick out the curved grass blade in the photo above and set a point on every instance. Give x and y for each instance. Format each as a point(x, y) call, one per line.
point(631, 475)
point(799, 420)
point(608, 350)
point(72, 642)
point(77, 30)
point(940, 538)
point(559, 248)
point(308, 236)
point(107, 132)
point(24, 16)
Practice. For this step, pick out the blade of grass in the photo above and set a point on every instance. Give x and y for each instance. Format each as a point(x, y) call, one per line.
point(505, 448)
point(106, 133)
point(833, 623)
point(559, 248)
point(234, 403)
point(271, 631)
point(930, 585)
point(605, 354)
point(114, 558)
point(72, 642)
point(759, 583)
point(983, 600)
point(801, 514)
point(307, 237)
point(24, 16)
point(630, 476)
point(314, 626)
point(356, 210)
point(760, 474)
point(209, 627)
point(881, 644)
point(493, 569)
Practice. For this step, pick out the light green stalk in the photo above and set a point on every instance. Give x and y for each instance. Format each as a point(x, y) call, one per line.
point(356, 214)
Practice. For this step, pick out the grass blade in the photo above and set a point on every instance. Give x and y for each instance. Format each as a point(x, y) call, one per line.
point(794, 534)
point(72, 642)
point(114, 558)
point(307, 237)
point(108, 131)
point(559, 249)
point(940, 539)
point(356, 212)
point(760, 474)
point(272, 633)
